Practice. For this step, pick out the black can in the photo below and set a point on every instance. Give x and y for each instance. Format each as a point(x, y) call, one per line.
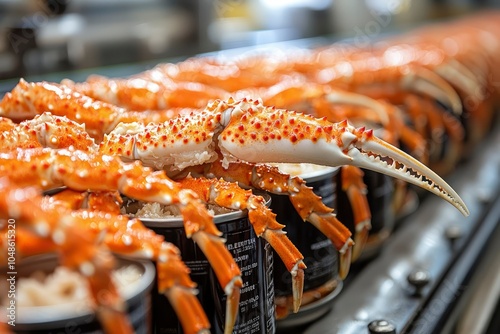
point(252, 254)
point(320, 256)
point(78, 317)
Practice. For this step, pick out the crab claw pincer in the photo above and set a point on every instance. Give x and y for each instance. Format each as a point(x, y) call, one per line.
point(255, 133)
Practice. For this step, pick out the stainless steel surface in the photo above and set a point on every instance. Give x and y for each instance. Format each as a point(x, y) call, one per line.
point(381, 289)
point(483, 294)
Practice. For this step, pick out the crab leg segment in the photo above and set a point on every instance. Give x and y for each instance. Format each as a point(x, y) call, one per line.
point(355, 188)
point(374, 71)
point(307, 204)
point(131, 237)
point(45, 130)
point(30, 99)
point(259, 134)
point(143, 94)
point(230, 195)
point(105, 201)
point(426, 82)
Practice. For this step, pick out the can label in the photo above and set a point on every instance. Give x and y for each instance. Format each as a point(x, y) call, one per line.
point(320, 256)
point(254, 257)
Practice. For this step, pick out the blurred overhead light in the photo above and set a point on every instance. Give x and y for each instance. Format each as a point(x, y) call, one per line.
point(316, 5)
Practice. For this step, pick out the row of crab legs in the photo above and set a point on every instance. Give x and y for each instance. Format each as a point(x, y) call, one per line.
point(53, 167)
point(227, 132)
point(101, 118)
point(234, 139)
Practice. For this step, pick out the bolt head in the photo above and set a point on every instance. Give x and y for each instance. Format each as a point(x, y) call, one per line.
point(419, 278)
point(381, 326)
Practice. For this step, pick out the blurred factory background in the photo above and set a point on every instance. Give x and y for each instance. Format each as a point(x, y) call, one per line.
point(45, 36)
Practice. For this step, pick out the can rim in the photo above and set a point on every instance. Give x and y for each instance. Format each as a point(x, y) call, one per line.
point(310, 312)
point(176, 221)
point(319, 174)
point(50, 316)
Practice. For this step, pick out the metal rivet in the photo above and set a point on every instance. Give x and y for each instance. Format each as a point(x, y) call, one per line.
point(381, 326)
point(418, 279)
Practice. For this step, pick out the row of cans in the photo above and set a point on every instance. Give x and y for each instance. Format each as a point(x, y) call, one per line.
point(265, 303)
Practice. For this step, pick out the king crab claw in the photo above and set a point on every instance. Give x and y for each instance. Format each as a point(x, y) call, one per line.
point(246, 130)
point(372, 153)
point(255, 133)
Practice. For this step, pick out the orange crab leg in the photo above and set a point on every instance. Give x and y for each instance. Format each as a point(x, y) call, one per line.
point(4, 328)
point(107, 201)
point(355, 188)
point(307, 204)
point(77, 250)
point(143, 94)
point(28, 100)
point(45, 130)
point(81, 171)
point(374, 70)
point(230, 195)
point(131, 237)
